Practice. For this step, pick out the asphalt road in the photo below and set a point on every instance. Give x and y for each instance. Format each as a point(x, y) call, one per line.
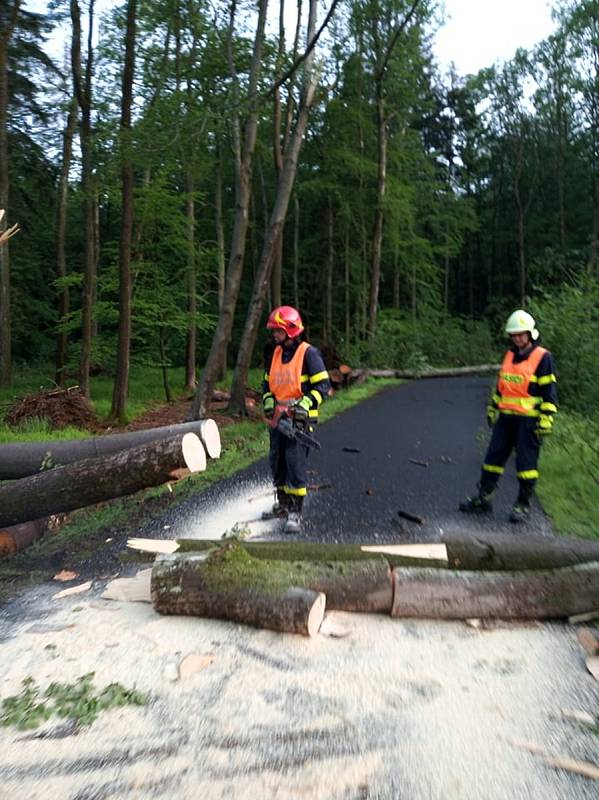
point(415, 448)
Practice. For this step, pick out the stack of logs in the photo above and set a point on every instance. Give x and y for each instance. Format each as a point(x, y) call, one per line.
point(285, 586)
point(43, 480)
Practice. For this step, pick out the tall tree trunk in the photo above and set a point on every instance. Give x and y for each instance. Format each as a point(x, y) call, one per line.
point(275, 230)
point(220, 244)
point(379, 215)
point(118, 411)
point(347, 309)
point(277, 269)
point(191, 342)
point(296, 226)
point(83, 87)
point(6, 32)
point(243, 177)
point(328, 305)
point(61, 228)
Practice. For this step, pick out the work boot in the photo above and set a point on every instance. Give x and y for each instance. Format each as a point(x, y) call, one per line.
point(294, 517)
point(280, 507)
point(476, 505)
point(519, 513)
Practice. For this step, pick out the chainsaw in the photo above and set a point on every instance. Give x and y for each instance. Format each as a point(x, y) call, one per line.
point(284, 421)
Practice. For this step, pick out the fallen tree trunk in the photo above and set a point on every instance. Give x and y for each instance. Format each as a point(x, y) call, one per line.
point(28, 458)
point(458, 551)
point(228, 584)
point(363, 374)
point(349, 586)
point(94, 480)
point(411, 555)
point(487, 551)
point(18, 537)
point(542, 594)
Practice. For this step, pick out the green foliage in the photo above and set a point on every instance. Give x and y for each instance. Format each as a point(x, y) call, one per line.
point(432, 340)
point(569, 323)
point(74, 701)
point(569, 484)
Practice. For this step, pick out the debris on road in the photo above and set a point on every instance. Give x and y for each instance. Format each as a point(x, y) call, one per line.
point(411, 517)
point(418, 462)
point(82, 587)
point(560, 762)
point(590, 645)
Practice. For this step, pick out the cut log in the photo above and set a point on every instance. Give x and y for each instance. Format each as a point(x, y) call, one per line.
point(487, 551)
point(94, 480)
point(349, 585)
point(229, 584)
point(28, 458)
point(541, 594)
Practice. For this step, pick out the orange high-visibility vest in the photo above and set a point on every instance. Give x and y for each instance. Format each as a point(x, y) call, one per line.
point(285, 380)
point(514, 382)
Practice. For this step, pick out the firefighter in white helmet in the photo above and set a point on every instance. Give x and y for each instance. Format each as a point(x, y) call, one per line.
point(520, 412)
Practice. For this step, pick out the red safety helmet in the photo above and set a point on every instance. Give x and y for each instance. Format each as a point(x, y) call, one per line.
point(287, 318)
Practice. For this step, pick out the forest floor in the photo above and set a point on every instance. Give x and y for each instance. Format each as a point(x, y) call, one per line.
point(395, 708)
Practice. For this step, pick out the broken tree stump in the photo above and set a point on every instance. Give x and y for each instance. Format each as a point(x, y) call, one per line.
point(228, 584)
point(94, 480)
point(539, 594)
point(28, 458)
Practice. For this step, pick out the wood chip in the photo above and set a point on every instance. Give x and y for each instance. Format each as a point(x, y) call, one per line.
point(195, 662)
point(131, 590)
point(153, 545)
point(579, 716)
point(592, 663)
point(560, 762)
point(588, 642)
point(588, 617)
point(330, 627)
point(418, 462)
point(83, 587)
point(436, 552)
point(351, 449)
point(65, 575)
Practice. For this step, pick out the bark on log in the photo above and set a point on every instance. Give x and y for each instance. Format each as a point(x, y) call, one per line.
point(363, 585)
point(28, 458)
point(542, 594)
point(94, 480)
point(487, 551)
point(230, 585)
point(465, 552)
point(18, 537)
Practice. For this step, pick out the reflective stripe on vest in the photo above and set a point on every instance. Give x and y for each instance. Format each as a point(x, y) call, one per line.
point(285, 380)
point(514, 382)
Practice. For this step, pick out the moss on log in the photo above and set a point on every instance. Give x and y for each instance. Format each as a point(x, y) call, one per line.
point(539, 594)
point(308, 551)
point(232, 570)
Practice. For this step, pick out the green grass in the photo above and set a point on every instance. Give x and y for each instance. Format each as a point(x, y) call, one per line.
point(569, 484)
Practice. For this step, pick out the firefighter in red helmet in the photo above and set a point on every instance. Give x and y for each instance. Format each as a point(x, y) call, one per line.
point(295, 382)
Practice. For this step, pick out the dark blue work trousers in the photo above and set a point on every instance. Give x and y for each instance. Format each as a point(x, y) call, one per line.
point(512, 431)
point(288, 463)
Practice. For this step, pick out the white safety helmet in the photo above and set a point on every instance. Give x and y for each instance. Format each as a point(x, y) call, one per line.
point(521, 321)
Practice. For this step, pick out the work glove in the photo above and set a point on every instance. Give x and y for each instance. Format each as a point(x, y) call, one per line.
point(544, 427)
point(268, 406)
point(300, 408)
point(492, 415)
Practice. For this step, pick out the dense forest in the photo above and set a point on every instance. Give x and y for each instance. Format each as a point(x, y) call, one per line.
point(186, 165)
